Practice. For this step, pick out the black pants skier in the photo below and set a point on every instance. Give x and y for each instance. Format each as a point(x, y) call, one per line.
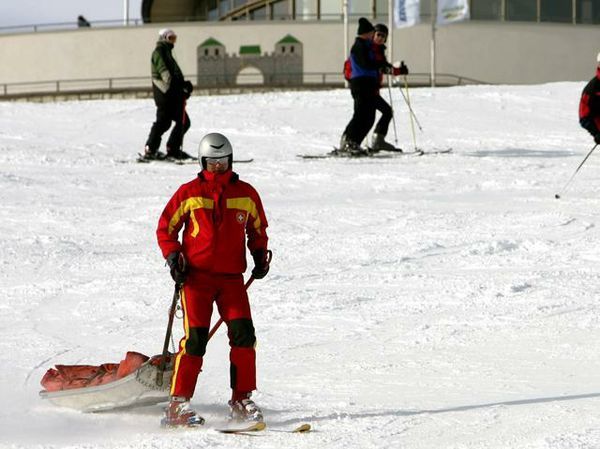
point(364, 93)
point(169, 109)
point(364, 112)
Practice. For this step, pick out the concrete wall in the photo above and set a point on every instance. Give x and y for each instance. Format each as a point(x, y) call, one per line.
point(514, 53)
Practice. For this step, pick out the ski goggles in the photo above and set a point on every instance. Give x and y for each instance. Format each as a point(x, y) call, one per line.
point(217, 160)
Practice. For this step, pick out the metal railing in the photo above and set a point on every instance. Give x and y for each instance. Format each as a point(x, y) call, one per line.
point(244, 82)
point(58, 26)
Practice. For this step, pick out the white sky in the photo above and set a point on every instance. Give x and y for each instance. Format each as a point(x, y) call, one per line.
point(32, 12)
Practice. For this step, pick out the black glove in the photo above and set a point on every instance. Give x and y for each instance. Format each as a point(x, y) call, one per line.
point(403, 68)
point(178, 267)
point(261, 263)
point(188, 88)
point(597, 139)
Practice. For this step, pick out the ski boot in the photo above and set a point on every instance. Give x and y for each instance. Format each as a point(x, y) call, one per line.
point(152, 155)
point(343, 141)
point(179, 414)
point(378, 143)
point(178, 155)
point(352, 149)
point(245, 410)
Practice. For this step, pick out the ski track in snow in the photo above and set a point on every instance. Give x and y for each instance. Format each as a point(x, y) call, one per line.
point(443, 301)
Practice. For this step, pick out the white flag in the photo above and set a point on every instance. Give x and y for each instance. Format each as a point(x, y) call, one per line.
point(452, 11)
point(406, 13)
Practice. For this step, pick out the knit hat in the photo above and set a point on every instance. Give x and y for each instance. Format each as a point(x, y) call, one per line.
point(381, 28)
point(364, 26)
point(165, 34)
point(598, 58)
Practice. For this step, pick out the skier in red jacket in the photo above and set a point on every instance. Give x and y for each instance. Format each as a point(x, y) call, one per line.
point(219, 215)
point(589, 105)
point(378, 142)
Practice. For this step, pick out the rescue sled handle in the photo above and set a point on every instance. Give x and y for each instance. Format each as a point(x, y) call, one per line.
point(248, 283)
point(163, 360)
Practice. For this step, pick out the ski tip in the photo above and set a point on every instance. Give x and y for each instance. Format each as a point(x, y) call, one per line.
point(259, 426)
point(303, 428)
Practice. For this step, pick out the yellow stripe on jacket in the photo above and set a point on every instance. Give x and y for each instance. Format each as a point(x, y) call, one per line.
point(188, 206)
point(246, 203)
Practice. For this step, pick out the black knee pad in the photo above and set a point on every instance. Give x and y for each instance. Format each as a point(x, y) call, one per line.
point(241, 333)
point(196, 341)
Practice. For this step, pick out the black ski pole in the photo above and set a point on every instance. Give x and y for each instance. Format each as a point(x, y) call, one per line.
point(183, 124)
point(163, 359)
point(557, 196)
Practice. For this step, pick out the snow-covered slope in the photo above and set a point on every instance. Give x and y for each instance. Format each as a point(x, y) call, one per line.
point(419, 302)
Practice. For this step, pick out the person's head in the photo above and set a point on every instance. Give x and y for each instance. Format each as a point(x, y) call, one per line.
point(167, 35)
point(365, 28)
point(381, 34)
point(598, 59)
point(215, 153)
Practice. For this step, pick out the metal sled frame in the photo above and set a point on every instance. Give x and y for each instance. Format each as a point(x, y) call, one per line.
point(135, 390)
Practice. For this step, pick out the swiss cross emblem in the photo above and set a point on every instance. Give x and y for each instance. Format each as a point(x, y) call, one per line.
point(240, 217)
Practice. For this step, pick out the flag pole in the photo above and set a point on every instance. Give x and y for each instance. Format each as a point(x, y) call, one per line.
point(391, 29)
point(125, 12)
point(345, 40)
point(432, 46)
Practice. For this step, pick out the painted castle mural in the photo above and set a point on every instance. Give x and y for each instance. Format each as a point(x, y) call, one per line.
point(283, 67)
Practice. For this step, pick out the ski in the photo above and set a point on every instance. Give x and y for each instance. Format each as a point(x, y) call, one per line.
point(254, 427)
point(261, 426)
point(195, 161)
point(142, 160)
point(389, 150)
point(302, 428)
point(336, 155)
point(436, 151)
point(382, 154)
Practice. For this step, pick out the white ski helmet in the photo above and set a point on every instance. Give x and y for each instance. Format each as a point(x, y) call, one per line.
point(214, 145)
point(598, 58)
point(164, 34)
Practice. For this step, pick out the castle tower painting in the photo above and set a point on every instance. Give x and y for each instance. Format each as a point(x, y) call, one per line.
point(283, 67)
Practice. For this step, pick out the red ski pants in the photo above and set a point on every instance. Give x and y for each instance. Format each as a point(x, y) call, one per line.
point(199, 293)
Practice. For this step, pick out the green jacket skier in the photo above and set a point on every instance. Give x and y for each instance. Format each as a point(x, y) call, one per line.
point(170, 91)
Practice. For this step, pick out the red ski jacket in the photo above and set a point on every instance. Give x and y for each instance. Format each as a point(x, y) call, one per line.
point(589, 105)
point(217, 213)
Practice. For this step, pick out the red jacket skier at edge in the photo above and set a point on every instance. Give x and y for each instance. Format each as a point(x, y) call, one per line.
point(219, 214)
point(589, 105)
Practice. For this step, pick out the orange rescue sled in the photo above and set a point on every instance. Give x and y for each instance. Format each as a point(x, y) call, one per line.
point(134, 382)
